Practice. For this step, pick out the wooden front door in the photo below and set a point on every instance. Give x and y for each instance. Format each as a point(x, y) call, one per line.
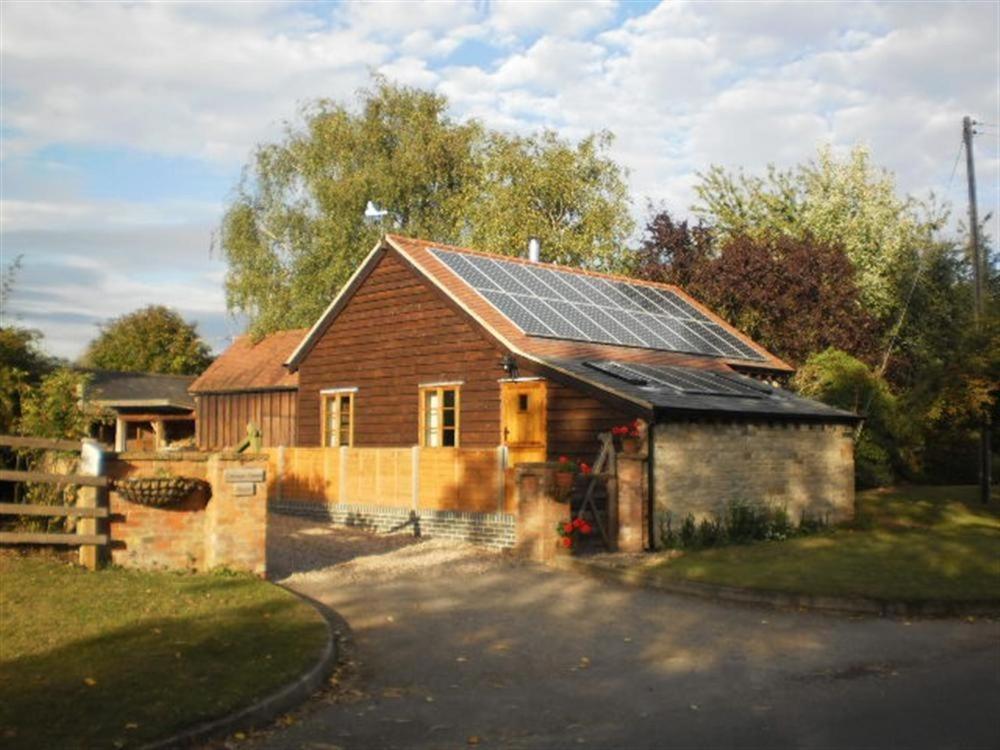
point(523, 424)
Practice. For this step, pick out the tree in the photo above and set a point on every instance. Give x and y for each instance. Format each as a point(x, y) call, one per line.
point(847, 202)
point(573, 199)
point(152, 339)
point(296, 230)
point(794, 296)
point(836, 378)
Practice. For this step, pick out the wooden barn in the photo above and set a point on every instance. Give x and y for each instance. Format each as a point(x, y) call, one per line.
point(437, 369)
point(151, 411)
point(248, 383)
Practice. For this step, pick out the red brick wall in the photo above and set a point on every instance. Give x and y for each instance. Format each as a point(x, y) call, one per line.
point(205, 531)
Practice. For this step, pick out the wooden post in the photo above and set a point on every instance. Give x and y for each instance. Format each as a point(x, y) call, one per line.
point(415, 476)
point(280, 478)
point(91, 464)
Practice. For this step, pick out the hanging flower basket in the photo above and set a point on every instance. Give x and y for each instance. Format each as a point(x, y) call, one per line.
point(157, 491)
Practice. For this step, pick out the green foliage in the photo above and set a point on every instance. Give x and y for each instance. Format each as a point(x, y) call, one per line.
point(836, 378)
point(740, 522)
point(572, 198)
point(847, 202)
point(53, 408)
point(151, 339)
point(296, 231)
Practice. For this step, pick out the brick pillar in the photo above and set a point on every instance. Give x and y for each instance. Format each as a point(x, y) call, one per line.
point(538, 512)
point(632, 502)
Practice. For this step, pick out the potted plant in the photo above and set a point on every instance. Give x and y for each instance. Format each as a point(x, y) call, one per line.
point(570, 531)
point(565, 474)
point(629, 435)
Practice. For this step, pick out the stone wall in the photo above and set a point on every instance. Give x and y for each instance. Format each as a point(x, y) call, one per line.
point(702, 465)
point(212, 528)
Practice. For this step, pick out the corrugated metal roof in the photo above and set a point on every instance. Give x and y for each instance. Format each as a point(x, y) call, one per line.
point(771, 402)
point(139, 389)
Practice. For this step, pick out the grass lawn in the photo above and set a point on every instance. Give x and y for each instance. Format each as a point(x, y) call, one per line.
point(118, 657)
point(911, 543)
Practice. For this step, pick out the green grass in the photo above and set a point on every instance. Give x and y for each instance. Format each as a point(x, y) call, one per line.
point(118, 657)
point(912, 543)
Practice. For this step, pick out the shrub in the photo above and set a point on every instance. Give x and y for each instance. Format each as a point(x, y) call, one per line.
point(741, 522)
point(689, 532)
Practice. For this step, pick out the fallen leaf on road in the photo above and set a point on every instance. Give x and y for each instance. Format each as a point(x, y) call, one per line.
point(473, 740)
point(89, 681)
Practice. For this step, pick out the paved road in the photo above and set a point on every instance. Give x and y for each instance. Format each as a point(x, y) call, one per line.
point(453, 650)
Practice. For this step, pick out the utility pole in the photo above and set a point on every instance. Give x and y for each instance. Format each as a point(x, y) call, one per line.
point(985, 448)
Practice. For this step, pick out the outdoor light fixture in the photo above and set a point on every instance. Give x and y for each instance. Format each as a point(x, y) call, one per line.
point(509, 365)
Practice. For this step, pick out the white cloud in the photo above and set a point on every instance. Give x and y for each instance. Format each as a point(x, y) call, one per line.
point(683, 86)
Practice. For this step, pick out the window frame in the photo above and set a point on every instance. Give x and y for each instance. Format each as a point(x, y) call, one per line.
point(440, 388)
point(337, 395)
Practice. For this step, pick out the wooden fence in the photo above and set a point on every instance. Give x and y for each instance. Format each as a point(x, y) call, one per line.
point(464, 479)
point(91, 508)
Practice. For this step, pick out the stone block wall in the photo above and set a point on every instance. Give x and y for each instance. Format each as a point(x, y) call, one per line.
point(212, 528)
point(702, 465)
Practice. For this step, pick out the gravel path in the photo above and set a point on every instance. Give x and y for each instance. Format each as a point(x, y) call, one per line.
point(302, 550)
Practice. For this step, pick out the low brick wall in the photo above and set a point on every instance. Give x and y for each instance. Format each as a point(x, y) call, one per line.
point(487, 529)
point(702, 465)
point(210, 529)
point(538, 513)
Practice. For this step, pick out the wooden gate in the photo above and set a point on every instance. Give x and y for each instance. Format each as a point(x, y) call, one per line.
point(91, 506)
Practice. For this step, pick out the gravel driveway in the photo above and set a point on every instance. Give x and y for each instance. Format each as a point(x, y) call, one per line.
point(453, 646)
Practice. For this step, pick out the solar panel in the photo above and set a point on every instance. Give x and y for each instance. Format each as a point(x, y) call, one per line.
point(682, 379)
point(544, 301)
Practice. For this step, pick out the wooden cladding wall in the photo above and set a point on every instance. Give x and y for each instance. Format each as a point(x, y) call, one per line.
point(455, 479)
point(395, 334)
point(574, 420)
point(223, 417)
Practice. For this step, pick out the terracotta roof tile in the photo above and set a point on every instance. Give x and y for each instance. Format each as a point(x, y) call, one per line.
point(246, 366)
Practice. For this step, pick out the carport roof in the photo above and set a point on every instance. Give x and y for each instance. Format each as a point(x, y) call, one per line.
point(760, 400)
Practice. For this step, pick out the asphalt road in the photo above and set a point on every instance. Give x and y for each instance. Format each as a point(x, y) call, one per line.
point(453, 651)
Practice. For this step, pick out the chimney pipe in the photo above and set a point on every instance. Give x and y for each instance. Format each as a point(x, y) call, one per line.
point(534, 249)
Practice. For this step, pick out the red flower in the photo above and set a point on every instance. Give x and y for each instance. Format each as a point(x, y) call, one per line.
point(568, 528)
point(585, 468)
point(586, 528)
point(564, 459)
point(567, 541)
point(577, 523)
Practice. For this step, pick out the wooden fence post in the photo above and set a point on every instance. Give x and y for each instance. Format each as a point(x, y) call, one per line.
point(91, 464)
point(415, 477)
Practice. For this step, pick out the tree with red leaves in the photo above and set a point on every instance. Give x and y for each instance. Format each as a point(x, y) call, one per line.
point(794, 296)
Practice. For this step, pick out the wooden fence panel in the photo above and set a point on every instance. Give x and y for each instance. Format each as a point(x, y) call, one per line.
point(460, 479)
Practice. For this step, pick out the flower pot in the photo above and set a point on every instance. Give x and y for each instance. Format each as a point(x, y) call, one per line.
point(630, 445)
point(564, 481)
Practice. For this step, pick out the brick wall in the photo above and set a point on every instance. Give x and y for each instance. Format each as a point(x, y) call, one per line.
point(701, 465)
point(209, 529)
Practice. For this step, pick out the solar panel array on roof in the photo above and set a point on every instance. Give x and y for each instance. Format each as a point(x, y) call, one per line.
point(543, 301)
point(683, 379)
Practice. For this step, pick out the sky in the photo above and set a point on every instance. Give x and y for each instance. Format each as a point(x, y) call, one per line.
point(125, 126)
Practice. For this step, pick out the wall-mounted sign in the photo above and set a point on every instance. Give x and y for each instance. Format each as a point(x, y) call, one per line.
point(244, 488)
point(243, 475)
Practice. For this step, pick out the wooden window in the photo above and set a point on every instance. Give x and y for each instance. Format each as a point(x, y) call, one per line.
point(338, 418)
point(439, 421)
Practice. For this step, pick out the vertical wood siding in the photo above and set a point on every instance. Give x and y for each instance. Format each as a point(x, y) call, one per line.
point(396, 333)
point(223, 417)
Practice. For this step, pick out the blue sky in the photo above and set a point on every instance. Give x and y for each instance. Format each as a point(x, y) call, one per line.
point(125, 126)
